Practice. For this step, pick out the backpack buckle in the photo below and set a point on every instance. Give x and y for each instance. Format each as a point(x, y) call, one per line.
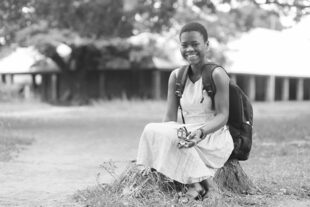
point(248, 123)
point(178, 93)
point(210, 92)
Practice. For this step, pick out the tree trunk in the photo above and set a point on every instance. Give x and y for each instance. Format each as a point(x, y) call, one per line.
point(232, 178)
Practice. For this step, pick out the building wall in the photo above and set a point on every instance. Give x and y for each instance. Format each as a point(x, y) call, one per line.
point(153, 84)
point(307, 89)
point(117, 84)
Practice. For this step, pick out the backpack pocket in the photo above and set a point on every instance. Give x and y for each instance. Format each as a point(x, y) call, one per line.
point(242, 138)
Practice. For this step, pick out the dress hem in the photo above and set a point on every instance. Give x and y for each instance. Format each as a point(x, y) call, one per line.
point(190, 181)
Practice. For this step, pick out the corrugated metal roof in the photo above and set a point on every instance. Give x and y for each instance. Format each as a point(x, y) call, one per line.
point(26, 60)
point(269, 52)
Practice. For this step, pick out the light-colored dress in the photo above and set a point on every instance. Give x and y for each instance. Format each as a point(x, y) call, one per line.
point(158, 143)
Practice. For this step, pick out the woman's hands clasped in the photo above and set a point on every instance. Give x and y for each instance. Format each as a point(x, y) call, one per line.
point(192, 139)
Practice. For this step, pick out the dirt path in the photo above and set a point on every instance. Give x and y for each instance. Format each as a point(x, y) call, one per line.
point(69, 146)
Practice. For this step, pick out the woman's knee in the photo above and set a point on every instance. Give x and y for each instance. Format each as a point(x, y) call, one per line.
point(159, 131)
point(149, 132)
point(149, 126)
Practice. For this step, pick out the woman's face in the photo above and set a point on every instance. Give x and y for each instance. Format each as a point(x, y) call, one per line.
point(193, 47)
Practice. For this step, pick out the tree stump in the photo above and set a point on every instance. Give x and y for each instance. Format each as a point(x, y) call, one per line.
point(142, 185)
point(232, 178)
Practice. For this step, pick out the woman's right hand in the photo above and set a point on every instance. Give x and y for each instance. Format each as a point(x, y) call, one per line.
point(191, 140)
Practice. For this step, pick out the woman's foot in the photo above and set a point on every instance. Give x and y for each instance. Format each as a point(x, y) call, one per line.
point(194, 192)
point(213, 191)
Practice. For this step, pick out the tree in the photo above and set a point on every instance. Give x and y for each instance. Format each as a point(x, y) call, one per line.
point(96, 19)
point(13, 17)
point(66, 21)
point(106, 18)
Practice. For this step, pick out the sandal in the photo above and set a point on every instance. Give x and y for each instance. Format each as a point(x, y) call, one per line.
point(192, 194)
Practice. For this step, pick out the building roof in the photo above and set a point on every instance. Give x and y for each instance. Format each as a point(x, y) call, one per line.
point(269, 52)
point(26, 60)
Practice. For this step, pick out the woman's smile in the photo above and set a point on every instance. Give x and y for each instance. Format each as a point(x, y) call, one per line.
point(189, 55)
point(192, 57)
point(192, 47)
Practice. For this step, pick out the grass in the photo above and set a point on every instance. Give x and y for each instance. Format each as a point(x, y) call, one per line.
point(138, 187)
point(11, 144)
point(278, 165)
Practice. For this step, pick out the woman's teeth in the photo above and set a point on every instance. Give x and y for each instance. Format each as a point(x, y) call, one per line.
point(191, 56)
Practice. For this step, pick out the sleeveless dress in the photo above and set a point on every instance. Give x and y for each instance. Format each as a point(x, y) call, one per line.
point(158, 142)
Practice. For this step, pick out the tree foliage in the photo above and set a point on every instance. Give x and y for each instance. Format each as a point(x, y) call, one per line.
point(96, 18)
point(46, 23)
point(88, 18)
point(121, 18)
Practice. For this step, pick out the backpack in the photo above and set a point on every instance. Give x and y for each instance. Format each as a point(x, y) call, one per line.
point(240, 120)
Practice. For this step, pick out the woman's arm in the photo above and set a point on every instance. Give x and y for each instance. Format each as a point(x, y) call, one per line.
point(221, 101)
point(172, 105)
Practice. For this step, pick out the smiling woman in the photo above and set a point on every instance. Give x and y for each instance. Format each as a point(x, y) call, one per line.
point(208, 143)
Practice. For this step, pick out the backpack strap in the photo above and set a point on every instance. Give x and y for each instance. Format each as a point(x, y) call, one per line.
point(207, 81)
point(179, 86)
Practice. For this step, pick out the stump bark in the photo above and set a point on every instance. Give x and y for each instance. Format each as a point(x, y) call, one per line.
point(231, 177)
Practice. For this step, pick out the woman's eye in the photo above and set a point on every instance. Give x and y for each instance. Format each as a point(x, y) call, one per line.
point(191, 45)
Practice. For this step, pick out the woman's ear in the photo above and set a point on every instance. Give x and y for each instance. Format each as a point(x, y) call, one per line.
point(207, 44)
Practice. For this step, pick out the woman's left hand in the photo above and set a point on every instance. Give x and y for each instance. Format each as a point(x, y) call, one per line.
point(186, 144)
point(194, 135)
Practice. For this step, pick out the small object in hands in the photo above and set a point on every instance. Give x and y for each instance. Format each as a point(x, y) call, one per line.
point(182, 133)
point(182, 144)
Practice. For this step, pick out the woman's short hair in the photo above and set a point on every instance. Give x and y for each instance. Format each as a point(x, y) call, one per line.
point(195, 26)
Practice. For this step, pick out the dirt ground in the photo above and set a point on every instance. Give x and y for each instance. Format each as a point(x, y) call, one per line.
point(70, 143)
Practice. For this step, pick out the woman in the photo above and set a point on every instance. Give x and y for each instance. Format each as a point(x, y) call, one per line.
point(209, 143)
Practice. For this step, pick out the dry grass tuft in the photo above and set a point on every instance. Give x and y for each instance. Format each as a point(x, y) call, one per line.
point(139, 187)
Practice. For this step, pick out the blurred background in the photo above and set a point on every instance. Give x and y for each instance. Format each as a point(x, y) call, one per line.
point(75, 51)
point(109, 60)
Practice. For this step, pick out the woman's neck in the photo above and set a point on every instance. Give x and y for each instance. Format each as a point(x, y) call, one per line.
point(195, 72)
point(197, 69)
